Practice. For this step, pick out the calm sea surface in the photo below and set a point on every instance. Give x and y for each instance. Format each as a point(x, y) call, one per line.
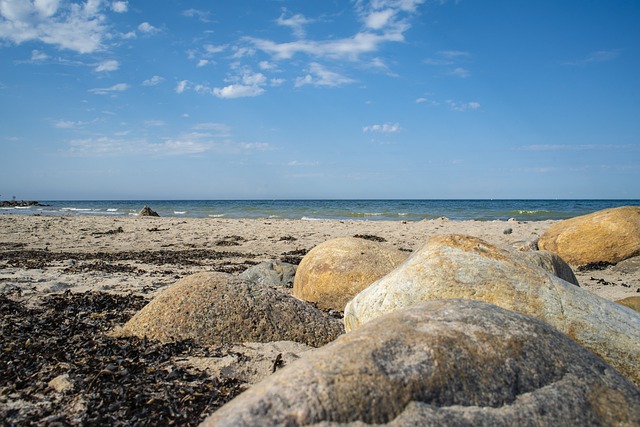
point(395, 210)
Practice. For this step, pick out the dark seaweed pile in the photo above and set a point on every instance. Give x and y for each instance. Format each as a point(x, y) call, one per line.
point(114, 381)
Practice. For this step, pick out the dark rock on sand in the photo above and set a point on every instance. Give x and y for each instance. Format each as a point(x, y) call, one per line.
point(445, 362)
point(147, 211)
point(610, 235)
point(271, 273)
point(218, 308)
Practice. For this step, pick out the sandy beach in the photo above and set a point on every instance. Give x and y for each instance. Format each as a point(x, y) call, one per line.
point(107, 268)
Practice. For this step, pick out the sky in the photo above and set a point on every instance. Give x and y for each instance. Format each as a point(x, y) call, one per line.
point(331, 99)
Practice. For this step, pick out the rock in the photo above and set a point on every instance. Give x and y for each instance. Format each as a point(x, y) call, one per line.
point(447, 362)
point(456, 266)
point(631, 302)
point(552, 263)
point(147, 211)
point(336, 270)
point(628, 266)
point(507, 230)
point(271, 273)
point(61, 383)
point(218, 308)
point(610, 235)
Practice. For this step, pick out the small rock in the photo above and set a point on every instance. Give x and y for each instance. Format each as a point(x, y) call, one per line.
point(508, 230)
point(61, 383)
point(147, 211)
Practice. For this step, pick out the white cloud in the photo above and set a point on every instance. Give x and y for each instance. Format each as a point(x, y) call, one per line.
point(267, 66)
point(201, 15)
point(120, 87)
point(296, 23)
point(212, 49)
point(383, 128)
point(67, 124)
point(379, 19)
point(238, 91)
point(462, 106)
point(147, 28)
point(181, 86)
point(597, 56)
point(120, 6)
point(74, 26)
point(451, 54)
point(153, 81)
point(110, 65)
point(154, 123)
point(463, 73)
point(320, 76)
point(37, 55)
point(202, 63)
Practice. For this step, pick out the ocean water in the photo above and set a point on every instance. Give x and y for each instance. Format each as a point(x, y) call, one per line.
point(370, 210)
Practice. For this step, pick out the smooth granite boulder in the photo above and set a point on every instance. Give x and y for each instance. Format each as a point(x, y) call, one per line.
point(336, 270)
point(610, 236)
point(441, 363)
point(457, 266)
point(218, 308)
point(552, 263)
point(631, 302)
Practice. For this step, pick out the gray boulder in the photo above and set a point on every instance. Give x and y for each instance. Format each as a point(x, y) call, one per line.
point(552, 263)
point(218, 308)
point(447, 362)
point(457, 266)
point(271, 273)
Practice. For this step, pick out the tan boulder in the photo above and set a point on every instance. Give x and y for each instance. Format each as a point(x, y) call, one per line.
point(631, 302)
point(336, 270)
point(610, 235)
point(218, 308)
point(441, 363)
point(456, 266)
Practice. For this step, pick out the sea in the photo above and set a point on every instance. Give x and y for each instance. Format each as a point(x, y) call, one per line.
point(365, 210)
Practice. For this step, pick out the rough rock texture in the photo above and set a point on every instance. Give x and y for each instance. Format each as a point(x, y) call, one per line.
point(271, 273)
point(628, 266)
point(147, 211)
point(447, 362)
point(610, 235)
point(336, 270)
point(631, 302)
point(218, 308)
point(552, 263)
point(457, 266)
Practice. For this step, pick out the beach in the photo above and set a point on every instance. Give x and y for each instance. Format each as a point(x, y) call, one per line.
point(114, 265)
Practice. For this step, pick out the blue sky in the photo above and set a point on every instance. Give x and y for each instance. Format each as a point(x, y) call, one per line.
point(282, 99)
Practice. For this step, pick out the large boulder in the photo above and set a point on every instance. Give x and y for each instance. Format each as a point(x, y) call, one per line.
point(447, 362)
point(631, 302)
point(610, 236)
point(457, 266)
point(336, 270)
point(552, 263)
point(218, 308)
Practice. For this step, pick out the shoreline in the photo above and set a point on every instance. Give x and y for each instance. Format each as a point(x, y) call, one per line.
point(145, 254)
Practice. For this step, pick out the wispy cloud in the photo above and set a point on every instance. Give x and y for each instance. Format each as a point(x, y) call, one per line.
point(201, 15)
point(462, 106)
point(120, 87)
point(295, 22)
point(110, 65)
point(120, 6)
point(383, 128)
point(580, 147)
point(318, 75)
point(446, 58)
point(147, 28)
point(597, 56)
point(37, 55)
point(247, 84)
point(153, 81)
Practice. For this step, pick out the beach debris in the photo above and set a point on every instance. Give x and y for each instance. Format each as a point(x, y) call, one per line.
point(610, 235)
point(108, 233)
point(147, 211)
point(370, 237)
point(336, 270)
point(271, 273)
point(218, 308)
point(458, 266)
point(445, 362)
point(58, 366)
point(294, 257)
